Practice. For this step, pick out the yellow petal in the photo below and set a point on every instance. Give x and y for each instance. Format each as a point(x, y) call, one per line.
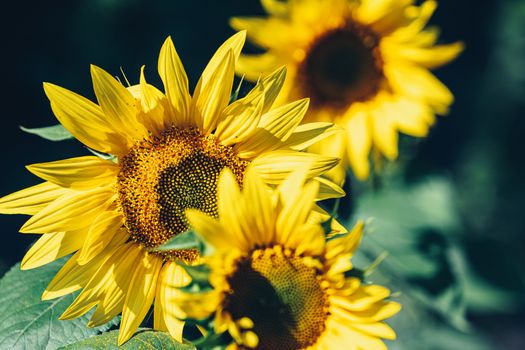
point(31, 200)
point(253, 67)
point(272, 85)
point(275, 127)
point(175, 81)
point(99, 235)
point(235, 44)
point(240, 119)
point(70, 278)
point(210, 98)
point(291, 187)
point(275, 7)
point(412, 117)
point(208, 228)
point(307, 134)
point(80, 172)
point(275, 166)
point(328, 189)
point(261, 213)
point(432, 57)
point(419, 83)
point(375, 313)
point(51, 247)
point(140, 295)
point(359, 141)
point(384, 15)
point(347, 334)
point(232, 210)
point(69, 212)
point(267, 32)
point(73, 276)
point(384, 129)
point(154, 111)
point(86, 121)
point(94, 291)
point(172, 276)
point(117, 103)
point(295, 212)
point(115, 287)
point(380, 330)
point(363, 298)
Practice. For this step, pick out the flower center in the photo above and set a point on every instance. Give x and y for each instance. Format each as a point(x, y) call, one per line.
point(341, 67)
point(282, 295)
point(163, 176)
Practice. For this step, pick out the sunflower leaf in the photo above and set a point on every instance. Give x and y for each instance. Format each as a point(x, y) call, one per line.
point(185, 240)
point(143, 339)
point(51, 133)
point(27, 322)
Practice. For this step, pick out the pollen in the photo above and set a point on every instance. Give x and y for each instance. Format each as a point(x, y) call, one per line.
point(164, 175)
point(342, 66)
point(282, 294)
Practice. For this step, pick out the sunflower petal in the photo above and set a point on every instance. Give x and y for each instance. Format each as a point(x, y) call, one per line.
point(31, 200)
point(212, 97)
point(274, 127)
point(359, 142)
point(117, 103)
point(208, 228)
point(261, 208)
point(295, 212)
point(240, 119)
point(139, 296)
point(79, 172)
point(69, 212)
point(175, 81)
point(172, 276)
point(307, 134)
point(93, 292)
point(417, 82)
point(73, 276)
point(275, 166)
point(235, 44)
point(86, 121)
point(254, 67)
point(50, 247)
point(99, 235)
point(152, 112)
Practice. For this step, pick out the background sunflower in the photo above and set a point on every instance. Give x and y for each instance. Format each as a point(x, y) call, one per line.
point(458, 193)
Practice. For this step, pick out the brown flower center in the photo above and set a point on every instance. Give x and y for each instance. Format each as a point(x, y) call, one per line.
point(283, 297)
point(341, 67)
point(163, 176)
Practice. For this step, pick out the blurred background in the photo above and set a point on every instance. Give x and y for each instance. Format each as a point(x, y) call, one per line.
point(449, 213)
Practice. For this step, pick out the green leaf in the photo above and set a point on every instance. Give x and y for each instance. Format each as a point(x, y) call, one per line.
point(51, 133)
point(144, 339)
point(398, 221)
point(26, 322)
point(185, 240)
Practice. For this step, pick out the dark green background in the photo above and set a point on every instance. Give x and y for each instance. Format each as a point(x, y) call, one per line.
point(479, 146)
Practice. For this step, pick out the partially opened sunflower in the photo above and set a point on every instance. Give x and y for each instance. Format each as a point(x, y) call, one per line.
point(277, 283)
point(365, 64)
point(168, 150)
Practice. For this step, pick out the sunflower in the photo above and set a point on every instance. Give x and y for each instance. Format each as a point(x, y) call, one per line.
point(364, 64)
point(276, 282)
point(165, 152)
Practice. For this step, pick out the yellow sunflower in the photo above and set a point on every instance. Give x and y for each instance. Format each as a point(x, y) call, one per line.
point(168, 150)
point(277, 283)
point(364, 64)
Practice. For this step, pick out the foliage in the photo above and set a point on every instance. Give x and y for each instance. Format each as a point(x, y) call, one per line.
point(142, 340)
point(27, 322)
